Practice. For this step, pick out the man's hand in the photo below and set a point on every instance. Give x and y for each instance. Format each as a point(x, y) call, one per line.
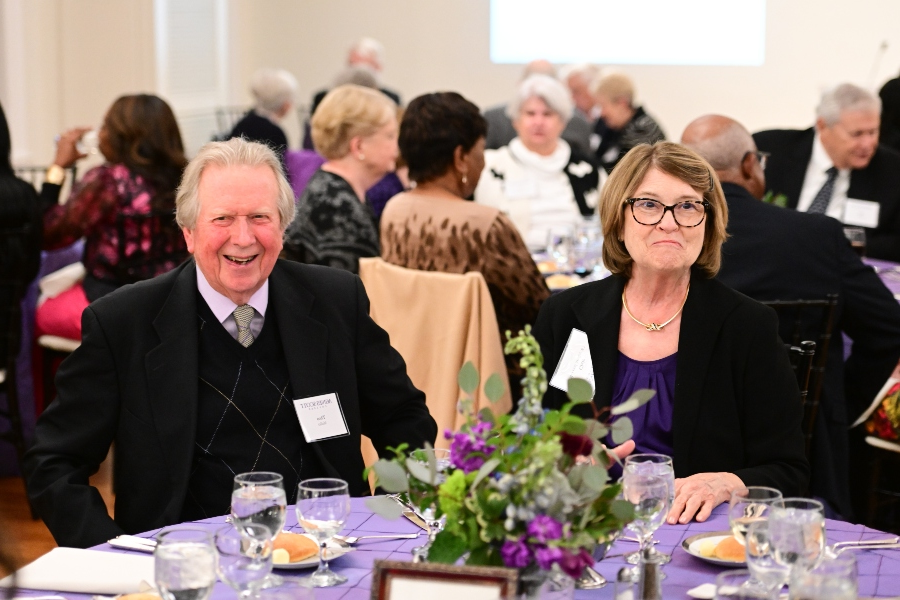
point(701, 492)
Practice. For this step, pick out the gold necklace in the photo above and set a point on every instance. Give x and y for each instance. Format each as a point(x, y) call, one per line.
point(655, 326)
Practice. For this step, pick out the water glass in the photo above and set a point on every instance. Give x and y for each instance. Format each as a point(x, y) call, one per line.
point(185, 564)
point(259, 497)
point(832, 579)
point(323, 506)
point(559, 248)
point(857, 238)
point(760, 555)
point(649, 493)
point(291, 589)
point(587, 247)
point(797, 533)
point(245, 557)
point(658, 465)
point(749, 505)
point(734, 584)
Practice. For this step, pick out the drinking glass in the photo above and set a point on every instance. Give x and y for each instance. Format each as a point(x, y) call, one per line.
point(733, 584)
point(245, 557)
point(587, 247)
point(767, 573)
point(797, 533)
point(649, 493)
point(435, 525)
point(749, 505)
point(291, 589)
point(259, 498)
point(832, 579)
point(857, 238)
point(323, 506)
point(185, 564)
point(559, 248)
point(657, 465)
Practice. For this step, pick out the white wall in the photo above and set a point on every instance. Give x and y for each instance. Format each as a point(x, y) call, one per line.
point(78, 55)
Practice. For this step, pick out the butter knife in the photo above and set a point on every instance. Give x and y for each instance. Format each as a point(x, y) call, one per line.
point(416, 519)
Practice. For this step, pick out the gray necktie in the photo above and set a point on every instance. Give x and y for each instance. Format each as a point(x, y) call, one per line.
point(243, 314)
point(820, 202)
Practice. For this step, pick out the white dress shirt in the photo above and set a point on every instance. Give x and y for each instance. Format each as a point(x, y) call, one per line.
point(816, 177)
point(223, 308)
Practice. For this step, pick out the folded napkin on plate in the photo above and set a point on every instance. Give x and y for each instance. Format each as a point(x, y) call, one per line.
point(85, 571)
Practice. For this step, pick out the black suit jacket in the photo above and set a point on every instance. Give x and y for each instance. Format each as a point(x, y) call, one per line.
point(880, 181)
point(134, 381)
point(778, 254)
point(737, 404)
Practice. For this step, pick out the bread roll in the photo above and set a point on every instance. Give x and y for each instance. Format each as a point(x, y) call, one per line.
point(730, 549)
point(299, 547)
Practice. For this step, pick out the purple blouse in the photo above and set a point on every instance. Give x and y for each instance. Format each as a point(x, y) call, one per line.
point(652, 421)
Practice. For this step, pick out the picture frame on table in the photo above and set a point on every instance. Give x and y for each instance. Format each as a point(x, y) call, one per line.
point(398, 580)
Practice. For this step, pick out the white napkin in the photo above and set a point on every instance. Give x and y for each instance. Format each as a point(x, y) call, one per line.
point(85, 572)
point(59, 281)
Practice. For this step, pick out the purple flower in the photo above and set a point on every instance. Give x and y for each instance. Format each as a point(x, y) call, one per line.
point(573, 564)
point(546, 556)
point(544, 528)
point(469, 450)
point(516, 554)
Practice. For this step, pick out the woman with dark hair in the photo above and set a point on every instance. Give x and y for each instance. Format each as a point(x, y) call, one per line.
point(433, 228)
point(890, 114)
point(144, 155)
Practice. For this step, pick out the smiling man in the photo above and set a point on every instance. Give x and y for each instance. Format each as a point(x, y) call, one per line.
point(839, 169)
point(235, 361)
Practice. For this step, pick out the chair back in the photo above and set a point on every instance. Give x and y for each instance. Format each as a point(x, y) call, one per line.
point(226, 118)
point(802, 358)
point(148, 244)
point(806, 320)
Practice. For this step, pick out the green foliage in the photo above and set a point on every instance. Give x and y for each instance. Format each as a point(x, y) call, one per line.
point(580, 391)
point(621, 430)
point(468, 378)
point(771, 197)
point(636, 400)
point(494, 387)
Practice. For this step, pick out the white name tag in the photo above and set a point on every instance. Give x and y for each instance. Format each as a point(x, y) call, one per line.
point(574, 362)
point(321, 417)
point(862, 213)
point(521, 188)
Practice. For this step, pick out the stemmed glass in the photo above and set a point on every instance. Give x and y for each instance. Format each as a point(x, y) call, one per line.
point(649, 493)
point(733, 584)
point(750, 505)
point(245, 557)
point(435, 525)
point(834, 578)
point(797, 533)
point(766, 573)
point(658, 465)
point(259, 498)
point(323, 506)
point(185, 564)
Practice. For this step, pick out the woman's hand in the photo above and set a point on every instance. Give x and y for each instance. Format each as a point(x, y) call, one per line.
point(701, 492)
point(66, 147)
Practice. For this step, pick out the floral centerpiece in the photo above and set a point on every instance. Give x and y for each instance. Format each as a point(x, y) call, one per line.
point(528, 490)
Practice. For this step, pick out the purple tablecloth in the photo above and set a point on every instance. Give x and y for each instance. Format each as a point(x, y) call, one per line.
point(879, 571)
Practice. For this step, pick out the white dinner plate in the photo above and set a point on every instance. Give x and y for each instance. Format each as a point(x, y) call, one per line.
point(333, 550)
point(691, 545)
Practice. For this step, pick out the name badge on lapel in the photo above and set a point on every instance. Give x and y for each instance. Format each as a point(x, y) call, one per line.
point(321, 417)
point(574, 362)
point(862, 213)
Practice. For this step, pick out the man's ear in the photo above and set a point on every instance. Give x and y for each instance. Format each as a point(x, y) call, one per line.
point(188, 239)
point(747, 165)
point(820, 125)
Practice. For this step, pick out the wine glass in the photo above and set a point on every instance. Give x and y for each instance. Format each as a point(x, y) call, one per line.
point(749, 505)
point(797, 533)
point(323, 506)
point(245, 557)
point(766, 572)
point(733, 584)
point(435, 525)
point(185, 564)
point(660, 465)
point(834, 578)
point(649, 493)
point(259, 498)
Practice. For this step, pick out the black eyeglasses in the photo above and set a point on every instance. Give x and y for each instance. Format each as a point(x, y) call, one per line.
point(762, 157)
point(648, 211)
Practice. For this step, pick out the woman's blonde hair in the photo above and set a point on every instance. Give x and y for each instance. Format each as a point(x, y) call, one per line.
point(346, 112)
point(682, 164)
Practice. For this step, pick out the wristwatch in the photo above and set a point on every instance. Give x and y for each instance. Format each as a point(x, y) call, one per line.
point(55, 175)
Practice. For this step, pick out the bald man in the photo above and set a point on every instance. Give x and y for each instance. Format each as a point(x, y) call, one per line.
point(779, 254)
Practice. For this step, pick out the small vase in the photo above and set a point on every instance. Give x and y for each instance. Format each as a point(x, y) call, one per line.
point(537, 584)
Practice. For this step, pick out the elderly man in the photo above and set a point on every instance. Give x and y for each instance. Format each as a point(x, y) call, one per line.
point(367, 53)
point(839, 169)
point(621, 125)
point(580, 79)
point(778, 254)
point(273, 95)
point(235, 361)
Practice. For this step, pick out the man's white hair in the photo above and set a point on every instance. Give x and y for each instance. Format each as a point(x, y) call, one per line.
point(370, 48)
point(588, 71)
point(271, 88)
point(846, 97)
point(549, 89)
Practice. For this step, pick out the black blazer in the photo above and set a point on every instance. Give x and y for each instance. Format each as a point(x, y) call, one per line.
point(778, 254)
point(880, 181)
point(134, 381)
point(737, 404)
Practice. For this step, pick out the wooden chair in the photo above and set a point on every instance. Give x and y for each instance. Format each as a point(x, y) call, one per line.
point(802, 358)
point(226, 118)
point(804, 320)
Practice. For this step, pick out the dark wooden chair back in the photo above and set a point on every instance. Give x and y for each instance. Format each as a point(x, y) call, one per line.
point(802, 358)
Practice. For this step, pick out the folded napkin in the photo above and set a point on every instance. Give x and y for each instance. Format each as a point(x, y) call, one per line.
point(85, 572)
point(57, 282)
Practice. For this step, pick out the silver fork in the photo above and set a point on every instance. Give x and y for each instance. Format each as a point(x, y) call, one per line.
point(352, 539)
point(839, 547)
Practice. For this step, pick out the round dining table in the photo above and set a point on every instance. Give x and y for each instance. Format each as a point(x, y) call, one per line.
point(879, 570)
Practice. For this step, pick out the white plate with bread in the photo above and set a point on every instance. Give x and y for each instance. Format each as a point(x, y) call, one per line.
point(300, 551)
point(716, 547)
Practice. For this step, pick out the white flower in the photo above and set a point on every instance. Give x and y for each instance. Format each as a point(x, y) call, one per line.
point(579, 169)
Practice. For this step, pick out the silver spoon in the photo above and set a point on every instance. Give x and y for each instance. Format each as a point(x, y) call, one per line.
point(352, 539)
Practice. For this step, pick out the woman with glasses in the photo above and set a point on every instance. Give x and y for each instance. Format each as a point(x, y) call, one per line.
point(727, 406)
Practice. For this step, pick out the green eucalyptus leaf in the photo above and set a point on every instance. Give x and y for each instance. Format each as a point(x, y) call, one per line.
point(384, 507)
point(484, 471)
point(579, 391)
point(573, 425)
point(494, 387)
point(486, 415)
point(595, 478)
point(622, 430)
point(623, 510)
point(468, 378)
point(595, 429)
point(420, 470)
point(391, 476)
point(637, 399)
point(446, 548)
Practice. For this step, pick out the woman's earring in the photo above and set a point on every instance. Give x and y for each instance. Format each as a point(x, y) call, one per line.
point(361, 156)
point(465, 179)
